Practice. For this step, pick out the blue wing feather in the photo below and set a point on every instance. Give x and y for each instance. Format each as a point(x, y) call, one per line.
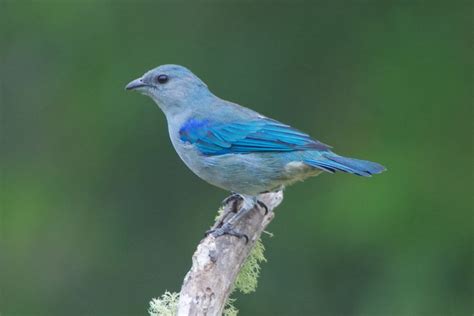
point(262, 135)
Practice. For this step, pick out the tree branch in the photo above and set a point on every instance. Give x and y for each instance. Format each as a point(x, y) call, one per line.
point(217, 262)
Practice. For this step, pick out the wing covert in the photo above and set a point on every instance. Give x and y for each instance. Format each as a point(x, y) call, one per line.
point(262, 135)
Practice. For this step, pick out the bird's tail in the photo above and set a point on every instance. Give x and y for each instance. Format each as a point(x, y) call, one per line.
point(331, 162)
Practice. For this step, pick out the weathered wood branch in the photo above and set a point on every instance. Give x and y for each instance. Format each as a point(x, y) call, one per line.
point(217, 262)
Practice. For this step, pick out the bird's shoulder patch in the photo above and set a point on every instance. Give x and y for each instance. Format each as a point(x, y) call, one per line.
point(192, 129)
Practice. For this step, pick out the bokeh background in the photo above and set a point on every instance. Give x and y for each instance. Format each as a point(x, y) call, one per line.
point(99, 215)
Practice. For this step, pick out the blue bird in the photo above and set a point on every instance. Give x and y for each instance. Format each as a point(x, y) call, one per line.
point(233, 147)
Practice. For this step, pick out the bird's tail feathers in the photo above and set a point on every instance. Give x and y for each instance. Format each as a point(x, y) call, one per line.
point(331, 162)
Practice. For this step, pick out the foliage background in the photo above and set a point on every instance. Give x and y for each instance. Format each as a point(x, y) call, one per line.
point(98, 214)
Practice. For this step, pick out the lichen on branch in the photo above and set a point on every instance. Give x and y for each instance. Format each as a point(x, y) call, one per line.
point(246, 282)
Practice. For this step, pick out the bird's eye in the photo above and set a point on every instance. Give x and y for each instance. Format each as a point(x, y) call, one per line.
point(162, 79)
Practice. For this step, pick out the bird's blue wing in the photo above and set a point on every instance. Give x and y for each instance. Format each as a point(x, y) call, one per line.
point(260, 135)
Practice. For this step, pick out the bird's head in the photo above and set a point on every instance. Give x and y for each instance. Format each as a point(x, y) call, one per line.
point(172, 87)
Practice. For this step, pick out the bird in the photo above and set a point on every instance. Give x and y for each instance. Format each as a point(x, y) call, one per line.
point(235, 148)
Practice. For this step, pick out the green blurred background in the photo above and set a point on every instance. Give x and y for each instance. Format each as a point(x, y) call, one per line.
point(99, 215)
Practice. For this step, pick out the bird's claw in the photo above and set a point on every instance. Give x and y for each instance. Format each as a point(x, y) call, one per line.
point(263, 205)
point(231, 198)
point(226, 230)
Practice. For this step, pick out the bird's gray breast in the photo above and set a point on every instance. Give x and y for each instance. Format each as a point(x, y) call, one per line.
point(200, 164)
point(186, 151)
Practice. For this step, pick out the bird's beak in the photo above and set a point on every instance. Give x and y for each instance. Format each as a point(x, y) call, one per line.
point(137, 83)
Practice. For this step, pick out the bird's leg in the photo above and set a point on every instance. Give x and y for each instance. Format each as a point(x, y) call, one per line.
point(228, 227)
point(233, 201)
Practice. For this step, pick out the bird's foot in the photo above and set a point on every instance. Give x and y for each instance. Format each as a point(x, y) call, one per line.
point(226, 229)
point(232, 201)
point(235, 197)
